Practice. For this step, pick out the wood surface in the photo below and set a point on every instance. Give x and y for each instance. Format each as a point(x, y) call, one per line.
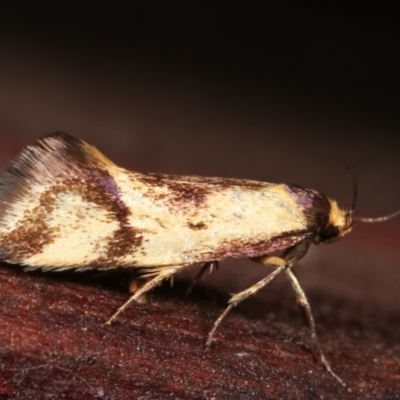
point(53, 343)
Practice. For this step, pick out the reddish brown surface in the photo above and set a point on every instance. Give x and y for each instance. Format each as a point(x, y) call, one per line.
point(52, 342)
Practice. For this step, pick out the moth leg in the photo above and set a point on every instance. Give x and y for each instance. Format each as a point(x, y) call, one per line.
point(290, 257)
point(136, 284)
point(196, 279)
point(239, 297)
point(164, 273)
point(302, 300)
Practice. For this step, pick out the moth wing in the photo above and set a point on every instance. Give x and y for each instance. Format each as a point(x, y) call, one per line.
point(200, 219)
point(65, 205)
point(58, 206)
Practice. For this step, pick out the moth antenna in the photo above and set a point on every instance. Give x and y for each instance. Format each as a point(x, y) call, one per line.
point(354, 182)
point(378, 219)
point(355, 195)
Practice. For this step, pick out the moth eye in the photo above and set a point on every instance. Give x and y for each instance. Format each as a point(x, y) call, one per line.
point(349, 219)
point(330, 232)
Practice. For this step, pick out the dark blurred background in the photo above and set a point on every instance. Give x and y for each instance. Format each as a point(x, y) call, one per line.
point(242, 89)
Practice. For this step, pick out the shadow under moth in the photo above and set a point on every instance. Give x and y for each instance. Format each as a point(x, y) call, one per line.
point(64, 205)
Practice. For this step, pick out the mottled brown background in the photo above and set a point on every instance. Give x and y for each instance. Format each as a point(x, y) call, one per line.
point(225, 89)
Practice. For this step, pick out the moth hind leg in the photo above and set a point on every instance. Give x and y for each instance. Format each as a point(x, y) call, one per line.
point(159, 274)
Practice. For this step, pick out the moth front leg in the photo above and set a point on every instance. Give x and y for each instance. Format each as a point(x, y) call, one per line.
point(291, 257)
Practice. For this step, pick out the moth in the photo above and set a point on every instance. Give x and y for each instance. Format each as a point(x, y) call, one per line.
point(64, 205)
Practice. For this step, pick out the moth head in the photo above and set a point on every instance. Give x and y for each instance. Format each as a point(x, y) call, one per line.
point(340, 222)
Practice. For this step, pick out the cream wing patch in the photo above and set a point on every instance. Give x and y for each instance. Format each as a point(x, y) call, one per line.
point(80, 233)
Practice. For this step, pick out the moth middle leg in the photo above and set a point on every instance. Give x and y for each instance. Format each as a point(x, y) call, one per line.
point(204, 267)
point(289, 258)
point(135, 284)
point(277, 262)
